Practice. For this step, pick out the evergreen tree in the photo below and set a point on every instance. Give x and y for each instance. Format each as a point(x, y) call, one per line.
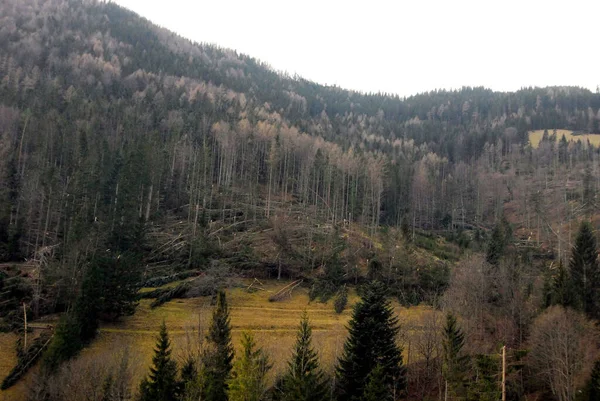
point(304, 379)
point(66, 343)
point(79, 326)
point(87, 305)
point(218, 363)
point(371, 342)
point(189, 373)
point(563, 149)
point(161, 384)
point(376, 390)
point(484, 387)
point(585, 272)
point(560, 288)
point(496, 244)
point(119, 277)
point(248, 381)
point(594, 386)
point(454, 364)
point(341, 300)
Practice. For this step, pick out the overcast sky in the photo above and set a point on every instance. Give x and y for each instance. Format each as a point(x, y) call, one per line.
point(402, 47)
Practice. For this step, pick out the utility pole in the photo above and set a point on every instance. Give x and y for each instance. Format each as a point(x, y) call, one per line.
point(504, 373)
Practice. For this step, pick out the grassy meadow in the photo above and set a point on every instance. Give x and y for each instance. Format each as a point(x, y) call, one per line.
point(536, 136)
point(274, 325)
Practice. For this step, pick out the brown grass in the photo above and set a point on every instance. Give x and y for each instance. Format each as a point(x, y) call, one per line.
point(273, 323)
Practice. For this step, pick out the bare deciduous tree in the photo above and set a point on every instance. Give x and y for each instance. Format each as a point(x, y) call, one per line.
point(563, 350)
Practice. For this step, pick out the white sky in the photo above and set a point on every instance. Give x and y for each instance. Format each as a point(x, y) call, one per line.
point(402, 47)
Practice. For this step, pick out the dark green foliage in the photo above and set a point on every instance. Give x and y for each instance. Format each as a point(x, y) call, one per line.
point(304, 379)
point(558, 288)
point(9, 233)
point(414, 283)
point(328, 284)
point(563, 149)
point(341, 300)
point(371, 342)
point(484, 387)
point(65, 344)
point(594, 384)
point(498, 241)
point(189, 371)
point(119, 280)
point(161, 383)
point(405, 228)
point(376, 390)
point(585, 273)
point(429, 242)
point(89, 304)
point(218, 364)
point(454, 364)
point(79, 326)
point(375, 269)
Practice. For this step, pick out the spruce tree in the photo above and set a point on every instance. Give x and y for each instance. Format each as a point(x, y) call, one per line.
point(189, 373)
point(218, 363)
point(560, 288)
point(454, 363)
point(66, 343)
point(161, 384)
point(78, 326)
point(304, 380)
point(496, 245)
point(585, 272)
point(371, 342)
point(376, 390)
point(248, 380)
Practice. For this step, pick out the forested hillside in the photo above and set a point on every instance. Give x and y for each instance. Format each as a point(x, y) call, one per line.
point(130, 157)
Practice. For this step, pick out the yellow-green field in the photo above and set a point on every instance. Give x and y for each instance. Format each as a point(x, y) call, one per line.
point(273, 323)
point(536, 136)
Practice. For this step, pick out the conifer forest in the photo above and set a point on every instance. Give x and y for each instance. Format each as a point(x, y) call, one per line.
point(182, 222)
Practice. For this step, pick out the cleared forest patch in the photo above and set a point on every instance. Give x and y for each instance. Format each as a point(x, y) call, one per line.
point(536, 136)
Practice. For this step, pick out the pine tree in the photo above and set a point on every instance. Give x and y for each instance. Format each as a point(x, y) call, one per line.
point(454, 364)
point(248, 381)
point(304, 379)
point(218, 363)
point(161, 384)
point(371, 342)
point(376, 390)
point(585, 273)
